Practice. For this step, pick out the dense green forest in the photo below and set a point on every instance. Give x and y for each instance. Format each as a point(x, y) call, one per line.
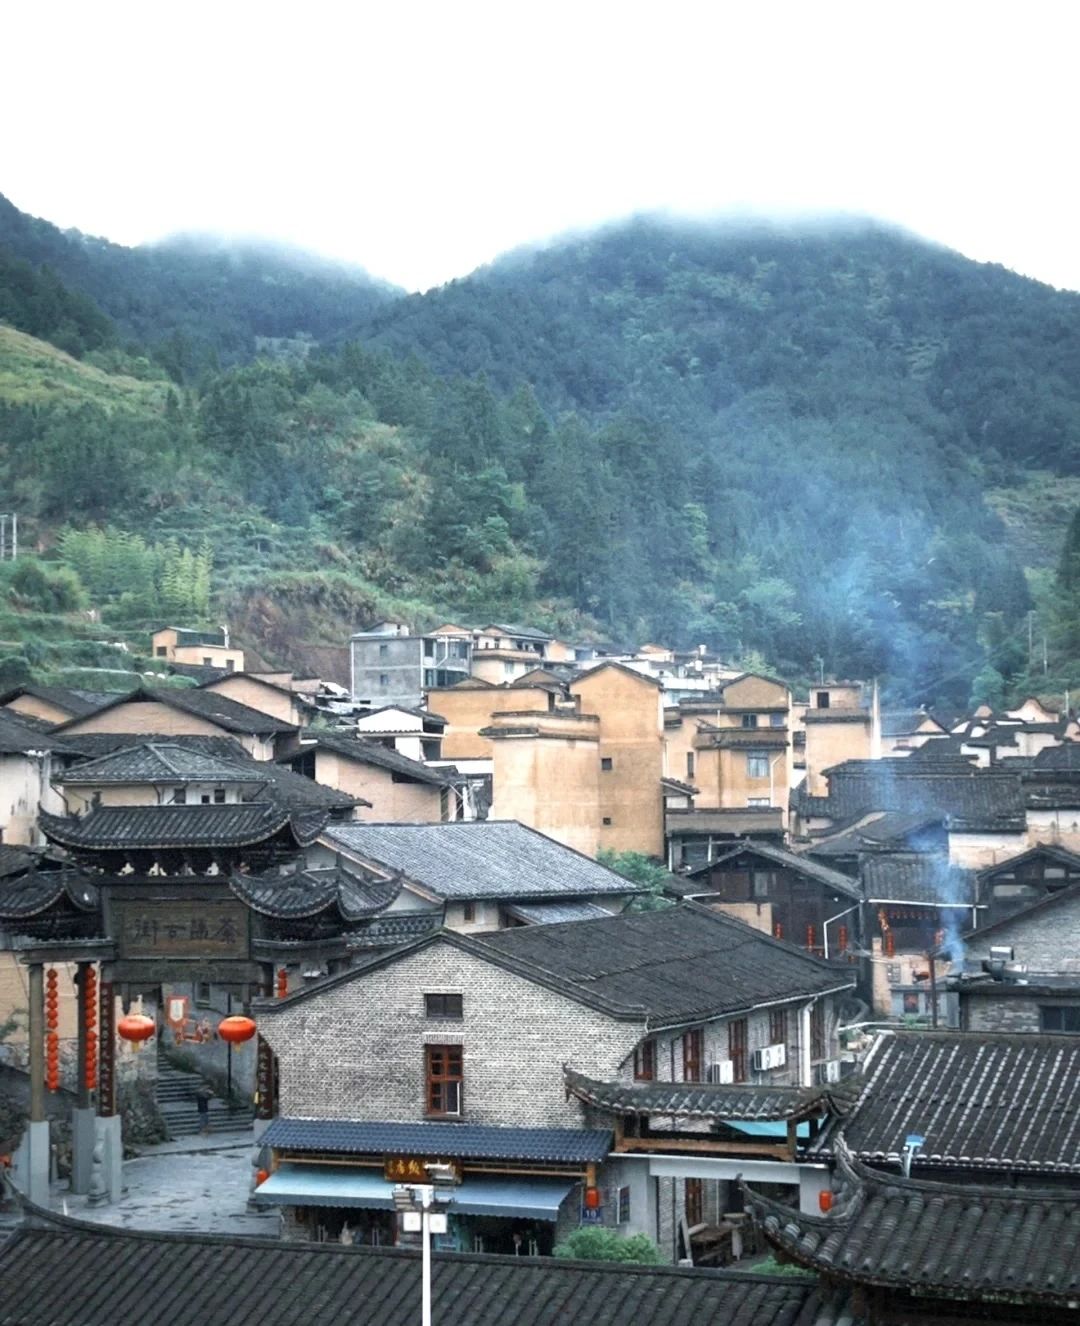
point(776, 442)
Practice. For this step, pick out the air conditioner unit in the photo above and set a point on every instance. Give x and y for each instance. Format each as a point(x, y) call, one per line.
point(722, 1073)
point(769, 1057)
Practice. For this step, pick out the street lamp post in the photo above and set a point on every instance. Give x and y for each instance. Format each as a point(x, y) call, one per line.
point(417, 1203)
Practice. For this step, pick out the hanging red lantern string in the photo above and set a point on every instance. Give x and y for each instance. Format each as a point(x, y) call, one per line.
point(282, 983)
point(90, 1024)
point(52, 1039)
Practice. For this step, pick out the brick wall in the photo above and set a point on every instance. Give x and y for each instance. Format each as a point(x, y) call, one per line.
point(990, 1012)
point(1045, 941)
point(356, 1051)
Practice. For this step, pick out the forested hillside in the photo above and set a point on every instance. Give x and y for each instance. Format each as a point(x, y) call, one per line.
point(777, 443)
point(195, 302)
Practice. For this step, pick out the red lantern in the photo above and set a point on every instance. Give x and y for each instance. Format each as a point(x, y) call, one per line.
point(282, 982)
point(824, 1199)
point(136, 1027)
point(236, 1029)
point(261, 1176)
point(592, 1199)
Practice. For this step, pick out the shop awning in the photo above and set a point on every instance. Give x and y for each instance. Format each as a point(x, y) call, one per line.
point(345, 1185)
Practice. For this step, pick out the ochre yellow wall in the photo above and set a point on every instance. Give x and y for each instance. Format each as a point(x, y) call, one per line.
point(833, 743)
point(256, 696)
point(38, 708)
point(551, 785)
point(631, 736)
point(146, 716)
point(467, 709)
point(755, 693)
point(420, 802)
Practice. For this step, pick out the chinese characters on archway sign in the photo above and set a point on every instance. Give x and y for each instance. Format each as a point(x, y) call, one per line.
point(190, 927)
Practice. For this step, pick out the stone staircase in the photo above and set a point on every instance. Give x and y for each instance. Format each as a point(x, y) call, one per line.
point(175, 1096)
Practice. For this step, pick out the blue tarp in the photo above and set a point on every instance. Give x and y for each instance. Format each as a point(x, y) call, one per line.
point(767, 1128)
point(346, 1185)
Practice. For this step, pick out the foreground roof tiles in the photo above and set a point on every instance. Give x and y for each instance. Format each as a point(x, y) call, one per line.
point(977, 1243)
point(76, 1274)
point(986, 1101)
point(459, 1141)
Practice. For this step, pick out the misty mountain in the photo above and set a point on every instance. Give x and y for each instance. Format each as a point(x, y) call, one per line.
point(198, 295)
point(777, 441)
point(686, 322)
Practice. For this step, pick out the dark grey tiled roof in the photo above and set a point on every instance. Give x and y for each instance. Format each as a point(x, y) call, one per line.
point(705, 1101)
point(16, 860)
point(96, 744)
point(995, 1101)
point(208, 705)
point(1065, 757)
point(967, 796)
point(480, 859)
point(117, 827)
point(394, 929)
point(308, 892)
point(968, 1242)
point(162, 762)
point(63, 697)
point(18, 735)
point(919, 877)
point(553, 913)
point(34, 893)
point(683, 964)
point(296, 792)
point(886, 833)
point(456, 1141)
point(376, 754)
point(77, 1274)
point(904, 722)
point(697, 880)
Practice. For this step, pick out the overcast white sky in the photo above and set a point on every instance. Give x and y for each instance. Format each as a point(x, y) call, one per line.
point(422, 139)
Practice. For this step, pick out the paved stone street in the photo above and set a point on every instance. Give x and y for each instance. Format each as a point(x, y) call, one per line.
point(192, 1184)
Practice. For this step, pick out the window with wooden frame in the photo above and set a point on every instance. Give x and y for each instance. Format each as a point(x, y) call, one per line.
point(693, 1055)
point(645, 1062)
point(443, 1079)
point(694, 1202)
point(444, 1005)
point(736, 1039)
point(778, 1026)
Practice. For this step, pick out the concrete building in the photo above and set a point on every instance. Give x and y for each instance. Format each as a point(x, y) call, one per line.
point(388, 665)
point(207, 649)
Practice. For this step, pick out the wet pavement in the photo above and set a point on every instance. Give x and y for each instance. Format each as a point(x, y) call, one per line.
point(194, 1184)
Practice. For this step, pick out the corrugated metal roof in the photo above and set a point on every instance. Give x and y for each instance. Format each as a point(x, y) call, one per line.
point(347, 1186)
point(452, 1141)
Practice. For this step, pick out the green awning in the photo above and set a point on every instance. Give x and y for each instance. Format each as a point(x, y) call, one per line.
point(346, 1185)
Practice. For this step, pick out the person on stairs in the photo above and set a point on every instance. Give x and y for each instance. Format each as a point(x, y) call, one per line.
point(202, 1104)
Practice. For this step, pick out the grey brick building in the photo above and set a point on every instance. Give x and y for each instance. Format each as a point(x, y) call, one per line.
point(474, 1042)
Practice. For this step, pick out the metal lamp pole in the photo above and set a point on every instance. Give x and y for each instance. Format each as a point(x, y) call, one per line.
point(416, 1202)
